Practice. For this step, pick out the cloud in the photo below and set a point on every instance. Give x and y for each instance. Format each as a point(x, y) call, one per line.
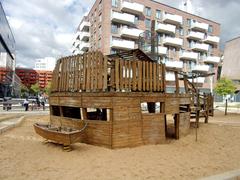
point(43, 28)
point(46, 28)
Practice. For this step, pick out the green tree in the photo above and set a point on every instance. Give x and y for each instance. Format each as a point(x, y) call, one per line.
point(225, 87)
point(47, 89)
point(35, 88)
point(24, 91)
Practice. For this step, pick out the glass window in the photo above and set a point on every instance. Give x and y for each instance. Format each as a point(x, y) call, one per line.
point(100, 18)
point(114, 29)
point(148, 23)
point(115, 3)
point(158, 14)
point(148, 11)
point(136, 20)
point(210, 29)
point(189, 22)
point(181, 31)
point(100, 30)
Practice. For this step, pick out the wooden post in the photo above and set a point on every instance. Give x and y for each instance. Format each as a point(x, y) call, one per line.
point(226, 105)
point(176, 82)
point(176, 123)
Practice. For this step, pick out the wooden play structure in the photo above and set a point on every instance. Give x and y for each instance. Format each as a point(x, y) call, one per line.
point(119, 101)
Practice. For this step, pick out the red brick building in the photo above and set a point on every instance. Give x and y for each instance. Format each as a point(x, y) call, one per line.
point(31, 76)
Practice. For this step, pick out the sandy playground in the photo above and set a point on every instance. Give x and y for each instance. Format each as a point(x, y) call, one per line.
point(23, 155)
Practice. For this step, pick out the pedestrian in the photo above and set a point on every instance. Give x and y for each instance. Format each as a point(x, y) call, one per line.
point(25, 104)
point(42, 101)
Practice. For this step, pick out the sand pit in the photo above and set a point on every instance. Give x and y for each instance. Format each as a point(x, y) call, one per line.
point(24, 156)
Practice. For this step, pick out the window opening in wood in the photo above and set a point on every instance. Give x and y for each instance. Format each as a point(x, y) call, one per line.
point(98, 114)
point(72, 112)
point(151, 107)
point(56, 111)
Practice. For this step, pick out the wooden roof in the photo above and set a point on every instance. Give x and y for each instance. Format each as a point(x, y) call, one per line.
point(135, 54)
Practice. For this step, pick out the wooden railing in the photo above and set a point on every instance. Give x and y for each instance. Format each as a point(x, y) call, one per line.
point(93, 72)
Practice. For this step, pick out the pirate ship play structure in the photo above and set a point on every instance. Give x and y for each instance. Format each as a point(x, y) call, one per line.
point(119, 100)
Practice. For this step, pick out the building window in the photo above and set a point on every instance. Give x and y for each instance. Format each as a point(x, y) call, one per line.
point(158, 14)
point(100, 30)
point(189, 22)
point(114, 29)
point(99, 43)
point(100, 17)
point(148, 23)
point(115, 3)
point(100, 5)
point(148, 11)
point(71, 112)
point(181, 31)
point(136, 20)
point(210, 28)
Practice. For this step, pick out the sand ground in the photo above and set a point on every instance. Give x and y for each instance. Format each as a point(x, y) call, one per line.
point(23, 155)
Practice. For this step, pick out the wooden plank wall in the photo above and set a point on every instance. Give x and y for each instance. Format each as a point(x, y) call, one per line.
point(134, 75)
point(78, 73)
point(93, 72)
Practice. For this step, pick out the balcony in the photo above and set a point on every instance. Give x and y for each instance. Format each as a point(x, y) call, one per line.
point(199, 26)
point(201, 68)
point(133, 8)
point(200, 47)
point(130, 33)
point(212, 39)
point(195, 35)
point(165, 28)
point(161, 50)
point(189, 55)
point(122, 44)
point(212, 59)
point(172, 19)
point(84, 36)
point(170, 77)
point(176, 42)
point(84, 26)
point(174, 64)
point(84, 46)
point(123, 18)
point(199, 80)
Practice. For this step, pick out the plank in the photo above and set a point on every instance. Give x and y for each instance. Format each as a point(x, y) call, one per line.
point(147, 76)
point(154, 76)
point(105, 70)
point(144, 76)
point(139, 75)
point(121, 75)
point(88, 69)
point(117, 74)
point(134, 78)
point(150, 76)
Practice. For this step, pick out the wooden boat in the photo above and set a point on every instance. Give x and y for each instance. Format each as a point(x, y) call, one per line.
point(60, 135)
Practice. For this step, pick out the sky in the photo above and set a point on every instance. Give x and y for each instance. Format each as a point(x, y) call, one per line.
point(46, 28)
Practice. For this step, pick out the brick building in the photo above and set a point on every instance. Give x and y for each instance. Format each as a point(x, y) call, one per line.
point(184, 41)
point(31, 76)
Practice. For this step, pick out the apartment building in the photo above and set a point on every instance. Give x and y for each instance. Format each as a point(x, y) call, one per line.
point(7, 56)
point(231, 63)
point(30, 77)
point(184, 41)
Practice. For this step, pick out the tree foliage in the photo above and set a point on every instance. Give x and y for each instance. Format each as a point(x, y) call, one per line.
point(35, 88)
point(47, 89)
point(224, 87)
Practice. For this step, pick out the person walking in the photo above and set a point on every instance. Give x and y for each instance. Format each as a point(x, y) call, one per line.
point(25, 104)
point(42, 101)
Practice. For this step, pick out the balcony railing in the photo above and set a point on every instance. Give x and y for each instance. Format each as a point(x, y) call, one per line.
point(212, 59)
point(165, 28)
point(84, 25)
point(189, 55)
point(201, 68)
point(133, 8)
point(199, 26)
point(84, 46)
point(160, 50)
point(170, 41)
point(84, 36)
point(199, 80)
point(200, 47)
point(195, 35)
point(123, 18)
point(130, 33)
point(122, 44)
point(170, 77)
point(212, 39)
point(172, 19)
point(174, 64)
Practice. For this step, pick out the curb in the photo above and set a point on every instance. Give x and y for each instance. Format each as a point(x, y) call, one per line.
point(11, 126)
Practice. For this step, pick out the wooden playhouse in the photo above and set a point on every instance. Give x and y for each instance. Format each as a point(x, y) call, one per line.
point(120, 98)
